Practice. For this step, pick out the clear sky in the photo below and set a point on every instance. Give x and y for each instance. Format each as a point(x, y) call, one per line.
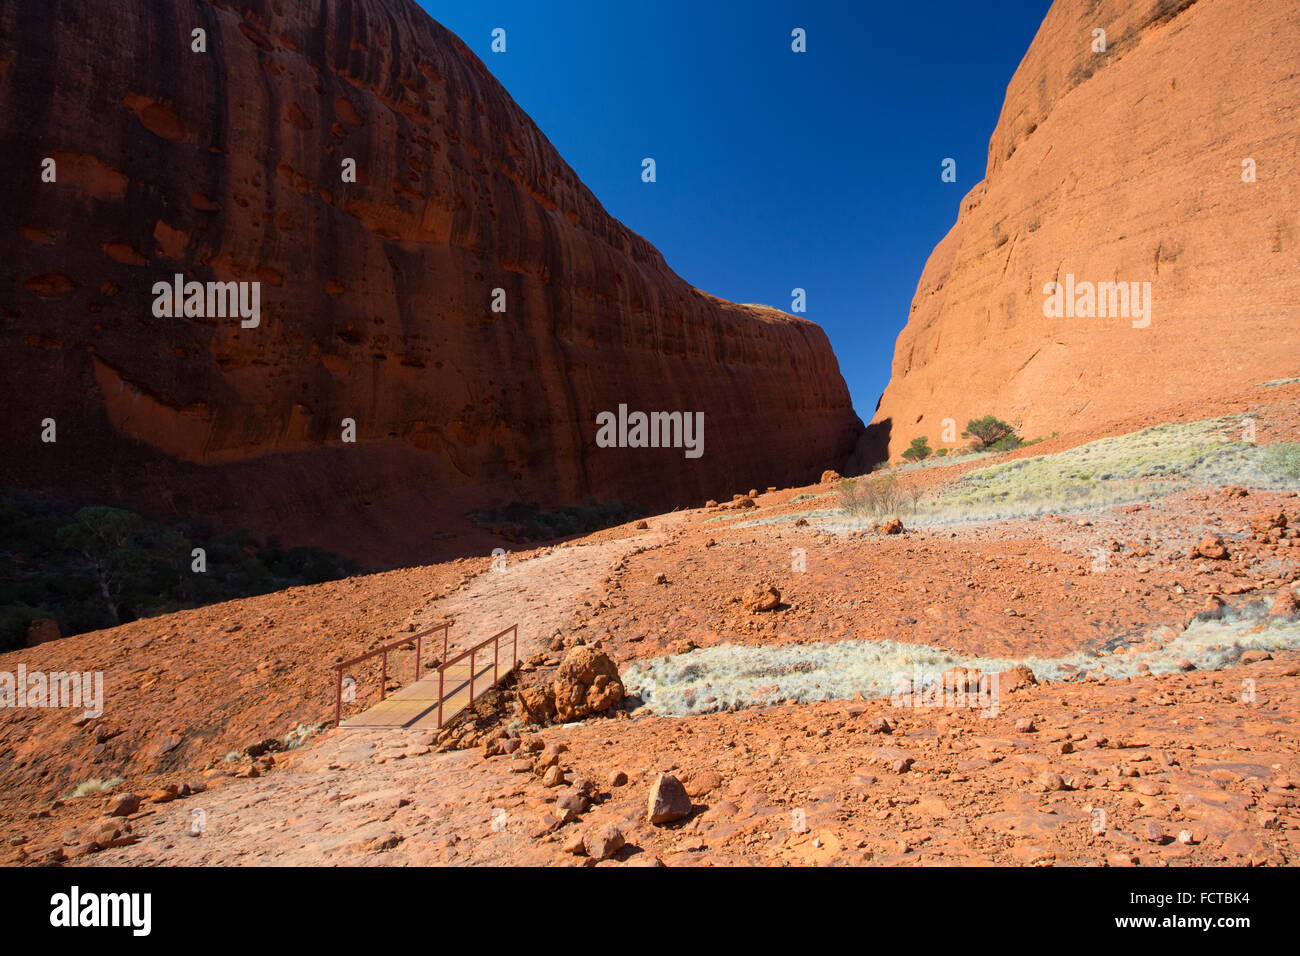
point(819, 170)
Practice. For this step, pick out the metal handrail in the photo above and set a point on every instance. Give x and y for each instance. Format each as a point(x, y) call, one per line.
point(444, 626)
point(495, 641)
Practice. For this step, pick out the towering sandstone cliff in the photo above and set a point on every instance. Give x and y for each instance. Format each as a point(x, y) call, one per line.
point(375, 296)
point(1123, 166)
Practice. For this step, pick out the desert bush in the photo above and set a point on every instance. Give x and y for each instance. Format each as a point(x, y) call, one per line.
point(918, 450)
point(528, 522)
point(850, 497)
point(871, 497)
point(991, 434)
point(95, 566)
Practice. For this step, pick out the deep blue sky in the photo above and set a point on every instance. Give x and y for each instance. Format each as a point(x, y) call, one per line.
point(819, 170)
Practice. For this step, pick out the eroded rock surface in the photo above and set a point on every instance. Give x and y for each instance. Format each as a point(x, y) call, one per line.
point(375, 296)
point(1123, 166)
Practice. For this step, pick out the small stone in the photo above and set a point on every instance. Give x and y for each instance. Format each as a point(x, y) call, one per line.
point(1155, 833)
point(575, 845)
point(122, 805)
point(699, 784)
point(554, 776)
point(603, 841)
point(1212, 547)
point(1051, 781)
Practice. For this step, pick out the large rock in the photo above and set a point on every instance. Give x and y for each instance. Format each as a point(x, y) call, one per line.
point(536, 703)
point(668, 800)
point(375, 296)
point(1120, 166)
point(586, 683)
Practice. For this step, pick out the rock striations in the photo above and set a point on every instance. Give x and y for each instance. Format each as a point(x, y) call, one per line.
point(376, 296)
point(1125, 166)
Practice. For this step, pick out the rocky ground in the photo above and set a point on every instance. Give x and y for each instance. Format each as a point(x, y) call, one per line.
point(1186, 767)
point(1155, 771)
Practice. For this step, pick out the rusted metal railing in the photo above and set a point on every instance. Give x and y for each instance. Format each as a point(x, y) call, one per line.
point(383, 650)
point(472, 653)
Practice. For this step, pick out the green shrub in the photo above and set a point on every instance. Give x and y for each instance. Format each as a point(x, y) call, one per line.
point(94, 566)
point(991, 434)
point(918, 450)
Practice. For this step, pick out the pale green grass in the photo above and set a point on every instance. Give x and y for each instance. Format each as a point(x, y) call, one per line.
point(1113, 471)
point(1282, 460)
point(731, 677)
point(95, 785)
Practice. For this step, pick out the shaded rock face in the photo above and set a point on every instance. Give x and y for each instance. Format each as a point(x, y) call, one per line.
point(1123, 166)
point(375, 296)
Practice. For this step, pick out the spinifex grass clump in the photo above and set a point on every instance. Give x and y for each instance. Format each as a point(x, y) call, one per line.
point(878, 496)
point(1281, 460)
point(1111, 471)
point(730, 677)
point(95, 785)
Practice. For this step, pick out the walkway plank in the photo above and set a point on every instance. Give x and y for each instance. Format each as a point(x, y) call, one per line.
point(415, 706)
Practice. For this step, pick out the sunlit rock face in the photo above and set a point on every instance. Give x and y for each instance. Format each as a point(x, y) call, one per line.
point(1132, 165)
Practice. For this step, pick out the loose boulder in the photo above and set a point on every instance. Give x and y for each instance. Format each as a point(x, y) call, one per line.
point(668, 800)
point(760, 597)
point(586, 683)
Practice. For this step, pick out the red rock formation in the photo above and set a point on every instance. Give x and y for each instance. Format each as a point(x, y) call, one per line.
point(1123, 166)
point(375, 295)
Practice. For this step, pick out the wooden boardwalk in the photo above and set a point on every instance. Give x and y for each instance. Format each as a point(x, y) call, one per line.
point(416, 706)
